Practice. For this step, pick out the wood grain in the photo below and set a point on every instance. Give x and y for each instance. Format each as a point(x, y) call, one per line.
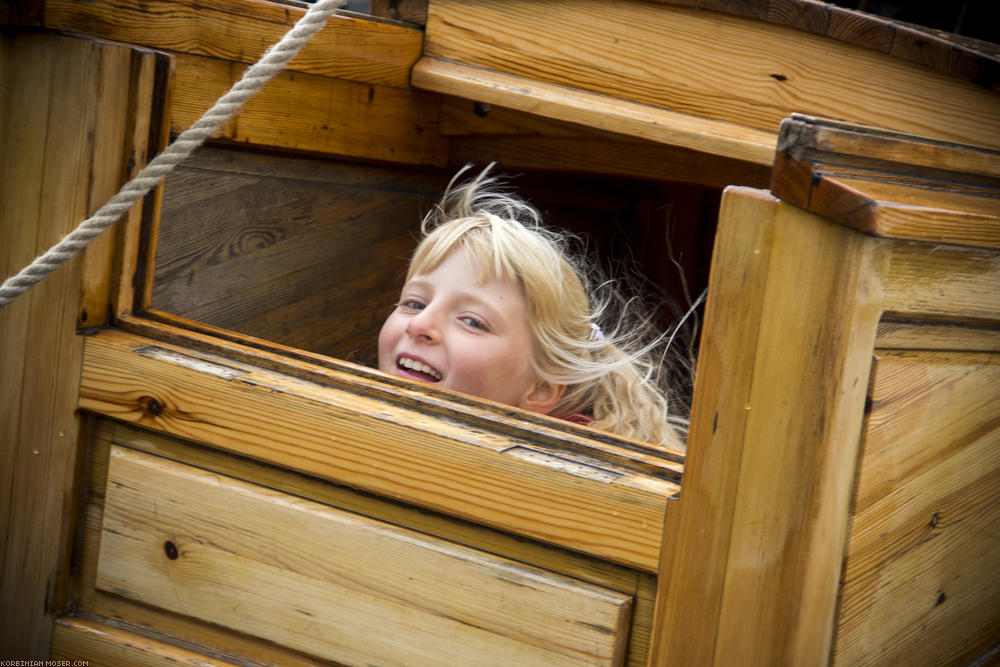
point(347, 47)
point(305, 558)
point(599, 111)
point(919, 576)
point(762, 519)
point(374, 445)
point(944, 282)
point(105, 645)
point(53, 137)
point(310, 112)
point(92, 601)
point(908, 335)
point(717, 67)
point(888, 184)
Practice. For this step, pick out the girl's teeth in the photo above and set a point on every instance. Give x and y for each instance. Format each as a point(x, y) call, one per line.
point(415, 365)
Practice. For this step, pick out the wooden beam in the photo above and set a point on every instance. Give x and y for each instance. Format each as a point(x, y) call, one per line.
point(347, 47)
point(61, 153)
point(376, 445)
point(599, 111)
point(334, 584)
point(760, 527)
point(708, 65)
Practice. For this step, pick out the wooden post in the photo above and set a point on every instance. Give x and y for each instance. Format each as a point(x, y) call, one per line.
point(63, 120)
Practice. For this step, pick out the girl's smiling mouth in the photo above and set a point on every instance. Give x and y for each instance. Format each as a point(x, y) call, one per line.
point(418, 368)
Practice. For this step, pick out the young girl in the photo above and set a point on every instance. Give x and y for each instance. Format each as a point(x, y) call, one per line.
point(496, 306)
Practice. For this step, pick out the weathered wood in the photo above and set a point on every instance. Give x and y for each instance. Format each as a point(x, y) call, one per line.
point(53, 137)
point(866, 178)
point(309, 112)
point(183, 539)
point(760, 526)
point(600, 111)
point(287, 268)
point(919, 582)
point(371, 444)
point(105, 645)
point(716, 67)
point(93, 601)
point(943, 282)
point(905, 335)
point(347, 47)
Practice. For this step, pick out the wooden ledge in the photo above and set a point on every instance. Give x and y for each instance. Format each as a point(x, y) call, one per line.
point(380, 446)
point(916, 188)
point(594, 110)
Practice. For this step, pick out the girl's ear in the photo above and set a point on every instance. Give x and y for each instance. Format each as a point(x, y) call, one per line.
point(543, 397)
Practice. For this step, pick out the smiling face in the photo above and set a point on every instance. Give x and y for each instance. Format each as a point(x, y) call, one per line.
point(456, 331)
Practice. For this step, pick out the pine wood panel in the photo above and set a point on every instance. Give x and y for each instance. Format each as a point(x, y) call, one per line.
point(56, 146)
point(309, 112)
point(920, 581)
point(105, 645)
point(761, 523)
point(903, 335)
point(346, 47)
point(599, 111)
point(641, 586)
point(372, 444)
point(315, 262)
point(187, 540)
point(708, 65)
point(945, 282)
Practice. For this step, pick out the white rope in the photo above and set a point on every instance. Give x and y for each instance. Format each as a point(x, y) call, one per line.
point(272, 62)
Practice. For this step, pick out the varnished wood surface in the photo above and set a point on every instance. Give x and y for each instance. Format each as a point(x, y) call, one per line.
point(870, 180)
point(910, 335)
point(949, 54)
point(313, 113)
point(346, 47)
point(60, 153)
point(640, 586)
point(595, 110)
point(717, 67)
point(589, 506)
point(353, 578)
point(759, 530)
point(919, 582)
point(102, 644)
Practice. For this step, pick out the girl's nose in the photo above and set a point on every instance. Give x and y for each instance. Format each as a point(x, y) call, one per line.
point(424, 326)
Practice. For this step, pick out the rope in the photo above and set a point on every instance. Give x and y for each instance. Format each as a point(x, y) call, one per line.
point(272, 62)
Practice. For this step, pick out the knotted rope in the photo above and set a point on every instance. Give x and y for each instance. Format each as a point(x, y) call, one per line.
point(272, 62)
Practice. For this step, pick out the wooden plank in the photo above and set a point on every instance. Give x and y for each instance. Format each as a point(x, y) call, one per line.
point(310, 112)
point(712, 66)
point(919, 577)
point(104, 645)
point(347, 47)
point(191, 545)
point(372, 444)
point(188, 630)
point(888, 184)
point(944, 282)
point(904, 335)
point(762, 518)
point(412, 11)
point(603, 112)
point(49, 129)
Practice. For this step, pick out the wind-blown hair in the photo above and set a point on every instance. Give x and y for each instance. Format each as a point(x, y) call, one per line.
point(611, 376)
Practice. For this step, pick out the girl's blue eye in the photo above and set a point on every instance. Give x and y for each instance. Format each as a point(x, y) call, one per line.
point(475, 323)
point(411, 304)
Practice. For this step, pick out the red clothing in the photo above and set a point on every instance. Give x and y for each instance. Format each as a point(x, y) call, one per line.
point(580, 418)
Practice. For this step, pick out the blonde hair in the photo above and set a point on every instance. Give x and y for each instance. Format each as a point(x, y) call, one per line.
point(612, 376)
